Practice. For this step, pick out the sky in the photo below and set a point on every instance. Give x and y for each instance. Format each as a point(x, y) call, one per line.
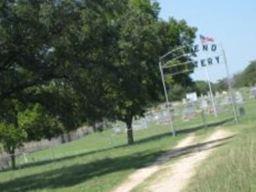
point(229, 22)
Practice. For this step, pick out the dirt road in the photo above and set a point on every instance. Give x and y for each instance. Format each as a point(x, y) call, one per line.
point(142, 174)
point(178, 175)
point(174, 178)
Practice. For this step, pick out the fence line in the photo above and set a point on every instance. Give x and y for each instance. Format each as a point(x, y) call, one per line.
point(43, 144)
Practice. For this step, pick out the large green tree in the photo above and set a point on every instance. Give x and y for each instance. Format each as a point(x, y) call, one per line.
point(35, 63)
point(143, 38)
point(83, 60)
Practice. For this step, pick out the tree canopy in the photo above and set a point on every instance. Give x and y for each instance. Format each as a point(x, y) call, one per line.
point(64, 63)
point(247, 77)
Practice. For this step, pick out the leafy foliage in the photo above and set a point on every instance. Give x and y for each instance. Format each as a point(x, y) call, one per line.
point(202, 87)
point(63, 63)
point(247, 77)
point(11, 137)
point(38, 124)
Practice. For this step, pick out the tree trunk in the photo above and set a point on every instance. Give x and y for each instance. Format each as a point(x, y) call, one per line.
point(13, 162)
point(63, 138)
point(69, 137)
point(94, 127)
point(130, 138)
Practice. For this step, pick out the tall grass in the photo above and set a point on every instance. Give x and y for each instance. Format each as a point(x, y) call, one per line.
point(231, 168)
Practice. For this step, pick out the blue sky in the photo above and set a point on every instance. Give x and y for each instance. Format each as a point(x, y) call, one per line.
point(231, 22)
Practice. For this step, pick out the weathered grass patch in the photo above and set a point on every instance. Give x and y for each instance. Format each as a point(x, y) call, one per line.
point(232, 168)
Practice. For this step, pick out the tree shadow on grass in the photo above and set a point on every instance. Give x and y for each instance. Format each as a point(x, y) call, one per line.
point(184, 131)
point(80, 173)
point(139, 142)
point(193, 148)
point(77, 173)
point(209, 125)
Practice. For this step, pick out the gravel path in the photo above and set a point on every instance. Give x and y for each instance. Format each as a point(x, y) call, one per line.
point(142, 174)
point(178, 175)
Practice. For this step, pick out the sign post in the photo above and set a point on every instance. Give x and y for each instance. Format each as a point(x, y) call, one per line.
point(207, 45)
point(204, 42)
point(231, 94)
point(166, 97)
point(210, 91)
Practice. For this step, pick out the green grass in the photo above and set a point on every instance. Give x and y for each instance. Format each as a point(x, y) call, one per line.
point(95, 163)
point(200, 135)
point(98, 162)
point(232, 168)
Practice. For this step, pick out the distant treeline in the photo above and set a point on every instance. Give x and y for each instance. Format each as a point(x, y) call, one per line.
point(246, 78)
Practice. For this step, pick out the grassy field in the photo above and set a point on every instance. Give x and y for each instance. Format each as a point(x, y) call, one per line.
point(100, 161)
point(233, 167)
point(95, 163)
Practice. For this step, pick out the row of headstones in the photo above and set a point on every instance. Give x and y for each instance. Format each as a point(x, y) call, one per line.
point(186, 108)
